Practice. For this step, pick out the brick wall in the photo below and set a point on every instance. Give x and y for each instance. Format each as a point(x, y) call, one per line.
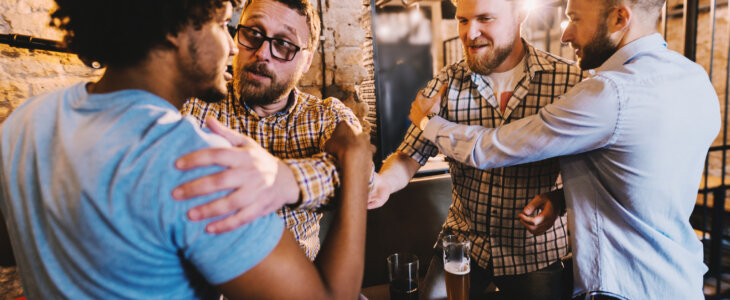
point(343, 36)
point(25, 73)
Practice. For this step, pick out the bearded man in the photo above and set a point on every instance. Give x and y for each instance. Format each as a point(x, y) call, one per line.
point(276, 42)
point(86, 172)
point(632, 141)
point(502, 80)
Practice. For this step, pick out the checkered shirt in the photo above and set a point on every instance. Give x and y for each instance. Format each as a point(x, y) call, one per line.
point(487, 202)
point(296, 135)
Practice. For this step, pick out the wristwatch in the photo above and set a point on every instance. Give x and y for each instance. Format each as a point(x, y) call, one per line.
point(424, 120)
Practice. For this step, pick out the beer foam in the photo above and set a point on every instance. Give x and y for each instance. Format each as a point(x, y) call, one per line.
point(457, 267)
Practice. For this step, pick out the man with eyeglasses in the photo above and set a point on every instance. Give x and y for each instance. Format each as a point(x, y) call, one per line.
point(86, 172)
point(276, 41)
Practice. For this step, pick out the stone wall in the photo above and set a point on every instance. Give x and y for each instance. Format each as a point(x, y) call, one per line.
point(25, 73)
point(343, 36)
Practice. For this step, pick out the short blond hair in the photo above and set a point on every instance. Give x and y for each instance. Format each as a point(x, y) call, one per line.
point(304, 8)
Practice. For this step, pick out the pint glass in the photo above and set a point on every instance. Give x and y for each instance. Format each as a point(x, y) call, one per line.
point(456, 267)
point(403, 276)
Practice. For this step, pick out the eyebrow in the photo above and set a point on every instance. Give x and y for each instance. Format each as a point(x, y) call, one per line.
point(476, 16)
point(291, 30)
point(287, 28)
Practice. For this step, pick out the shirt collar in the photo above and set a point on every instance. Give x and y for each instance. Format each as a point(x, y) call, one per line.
point(536, 61)
point(631, 50)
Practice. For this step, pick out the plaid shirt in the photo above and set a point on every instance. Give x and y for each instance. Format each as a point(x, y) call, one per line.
point(296, 135)
point(486, 202)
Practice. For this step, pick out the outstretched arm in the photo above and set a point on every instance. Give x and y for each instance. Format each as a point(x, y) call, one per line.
point(394, 175)
point(582, 120)
point(286, 273)
point(399, 167)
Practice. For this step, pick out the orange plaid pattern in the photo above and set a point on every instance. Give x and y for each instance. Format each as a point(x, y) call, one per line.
point(296, 135)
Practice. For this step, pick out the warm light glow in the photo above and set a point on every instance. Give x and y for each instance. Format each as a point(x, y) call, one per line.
point(415, 15)
point(530, 5)
point(564, 24)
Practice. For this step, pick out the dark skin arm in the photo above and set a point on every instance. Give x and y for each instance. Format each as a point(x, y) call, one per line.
point(6, 252)
point(337, 273)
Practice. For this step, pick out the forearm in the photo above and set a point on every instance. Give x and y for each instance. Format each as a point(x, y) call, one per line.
point(317, 178)
point(398, 169)
point(341, 260)
point(6, 252)
point(575, 124)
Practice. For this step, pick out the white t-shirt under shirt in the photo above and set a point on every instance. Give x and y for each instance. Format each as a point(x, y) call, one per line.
point(504, 83)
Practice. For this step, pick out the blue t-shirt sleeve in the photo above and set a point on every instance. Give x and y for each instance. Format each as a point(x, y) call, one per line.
point(223, 257)
point(220, 257)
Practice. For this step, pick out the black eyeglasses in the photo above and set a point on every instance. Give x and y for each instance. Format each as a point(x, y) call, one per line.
point(253, 39)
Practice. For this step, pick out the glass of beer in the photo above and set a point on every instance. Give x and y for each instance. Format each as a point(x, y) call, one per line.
point(403, 276)
point(456, 267)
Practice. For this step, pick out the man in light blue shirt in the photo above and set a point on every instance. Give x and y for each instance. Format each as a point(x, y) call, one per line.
point(632, 141)
point(87, 172)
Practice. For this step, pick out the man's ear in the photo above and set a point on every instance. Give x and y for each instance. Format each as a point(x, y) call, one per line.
point(619, 19)
point(309, 60)
point(174, 39)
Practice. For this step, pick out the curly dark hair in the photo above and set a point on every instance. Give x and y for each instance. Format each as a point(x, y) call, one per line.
point(304, 8)
point(122, 32)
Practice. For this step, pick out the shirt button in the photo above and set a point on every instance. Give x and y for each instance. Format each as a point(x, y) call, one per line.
point(494, 212)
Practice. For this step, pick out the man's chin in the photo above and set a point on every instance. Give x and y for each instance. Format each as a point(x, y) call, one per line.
point(213, 95)
point(584, 65)
point(594, 61)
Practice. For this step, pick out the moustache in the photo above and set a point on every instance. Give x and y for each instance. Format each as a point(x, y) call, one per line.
point(259, 68)
point(477, 43)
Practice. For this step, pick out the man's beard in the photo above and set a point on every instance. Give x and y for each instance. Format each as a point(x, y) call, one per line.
point(598, 50)
point(485, 63)
point(198, 72)
point(211, 95)
point(255, 93)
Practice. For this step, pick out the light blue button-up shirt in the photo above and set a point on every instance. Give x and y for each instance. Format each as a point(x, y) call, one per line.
point(632, 140)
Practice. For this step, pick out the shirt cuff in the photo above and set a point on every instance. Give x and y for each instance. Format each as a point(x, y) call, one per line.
point(316, 178)
point(432, 128)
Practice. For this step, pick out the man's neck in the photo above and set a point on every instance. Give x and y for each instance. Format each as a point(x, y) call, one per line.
point(155, 79)
point(634, 33)
point(275, 107)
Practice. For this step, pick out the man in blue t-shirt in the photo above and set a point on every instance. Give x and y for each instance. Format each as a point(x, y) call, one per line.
point(87, 172)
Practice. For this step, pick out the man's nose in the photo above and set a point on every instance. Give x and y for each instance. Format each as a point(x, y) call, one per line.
point(473, 31)
point(264, 52)
point(233, 48)
point(567, 34)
